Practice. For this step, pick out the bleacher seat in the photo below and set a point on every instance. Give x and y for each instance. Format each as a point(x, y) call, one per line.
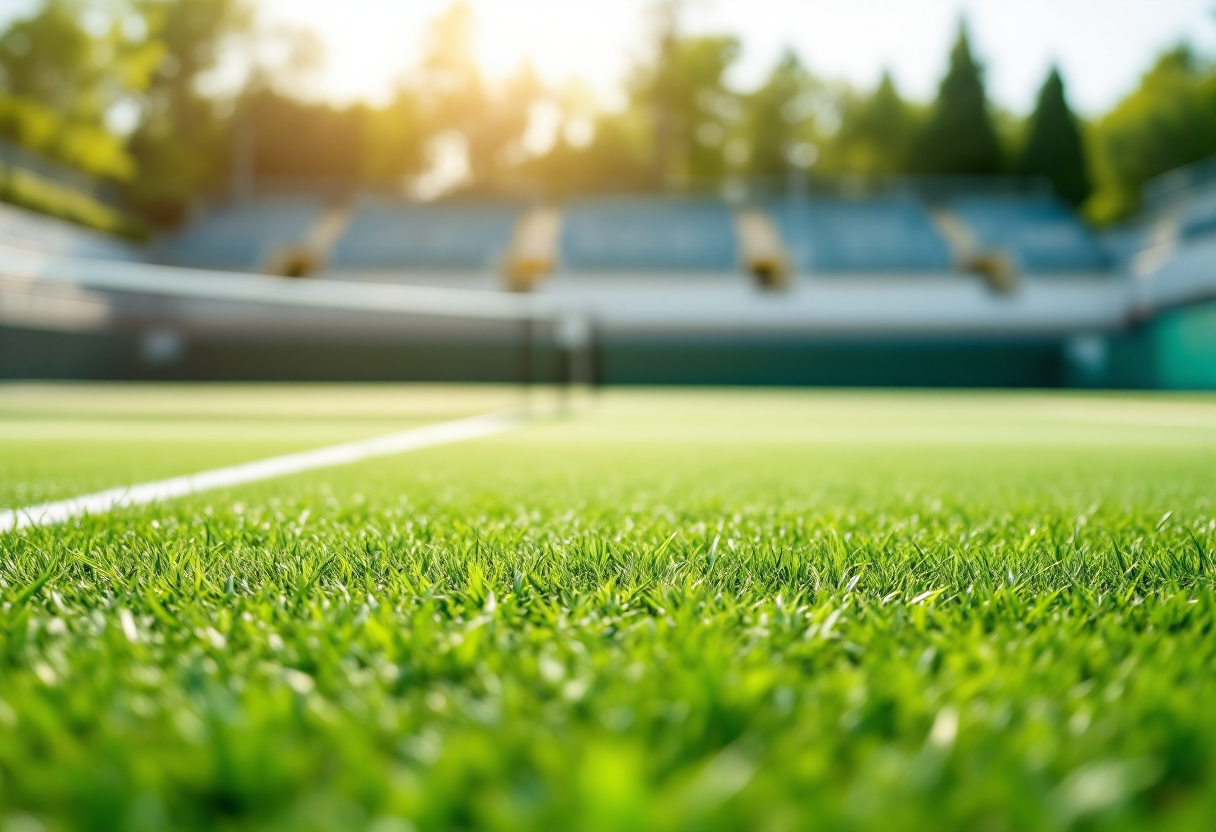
point(842, 235)
point(30, 231)
point(384, 234)
point(242, 237)
point(638, 234)
point(1123, 243)
point(1197, 216)
point(1039, 233)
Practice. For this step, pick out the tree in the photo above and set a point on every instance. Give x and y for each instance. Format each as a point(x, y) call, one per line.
point(59, 80)
point(393, 140)
point(1054, 149)
point(448, 82)
point(495, 140)
point(1168, 121)
point(183, 143)
point(50, 58)
point(335, 146)
point(683, 90)
point(454, 98)
point(778, 117)
point(959, 138)
point(876, 133)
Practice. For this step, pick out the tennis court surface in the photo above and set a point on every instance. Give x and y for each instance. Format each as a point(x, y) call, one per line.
point(639, 609)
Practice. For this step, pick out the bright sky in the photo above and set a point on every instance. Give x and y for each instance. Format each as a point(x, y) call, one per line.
point(1102, 45)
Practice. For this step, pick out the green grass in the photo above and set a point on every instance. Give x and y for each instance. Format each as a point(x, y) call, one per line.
point(60, 440)
point(665, 610)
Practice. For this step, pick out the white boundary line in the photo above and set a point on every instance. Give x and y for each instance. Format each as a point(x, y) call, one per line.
point(444, 433)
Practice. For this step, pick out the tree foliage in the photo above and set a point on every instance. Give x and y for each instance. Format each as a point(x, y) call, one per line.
point(1054, 148)
point(682, 93)
point(455, 100)
point(675, 129)
point(182, 144)
point(1169, 120)
point(357, 143)
point(68, 68)
point(59, 81)
point(779, 120)
point(616, 155)
point(876, 133)
point(959, 138)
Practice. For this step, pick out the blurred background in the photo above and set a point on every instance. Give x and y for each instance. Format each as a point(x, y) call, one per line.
point(765, 192)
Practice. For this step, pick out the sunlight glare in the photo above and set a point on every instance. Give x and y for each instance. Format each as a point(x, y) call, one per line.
point(370, 44)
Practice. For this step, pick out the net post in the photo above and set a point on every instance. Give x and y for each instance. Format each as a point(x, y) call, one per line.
point(573, 342)
point(595, 355)
point(526, 325)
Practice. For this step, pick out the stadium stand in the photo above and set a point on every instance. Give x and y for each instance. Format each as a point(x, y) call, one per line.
point(386, 234)
point(652, 287)
point(1197, 214)
point(1039, 233)
point(837, 235)
point(648, 233)
point(1123, 243)
point(242, 237)
point(36, 232)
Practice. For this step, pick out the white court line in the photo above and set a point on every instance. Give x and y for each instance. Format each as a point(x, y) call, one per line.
point(444, 433)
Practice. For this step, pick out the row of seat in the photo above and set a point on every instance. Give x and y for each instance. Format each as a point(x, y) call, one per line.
point(1040, 234)
point(1197, 213)
point(27, 230)
point(1184, 215)
point(871, 235)
point(646, 233)
point(242, 237)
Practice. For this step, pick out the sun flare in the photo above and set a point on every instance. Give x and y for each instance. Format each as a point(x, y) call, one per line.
point(370, 44)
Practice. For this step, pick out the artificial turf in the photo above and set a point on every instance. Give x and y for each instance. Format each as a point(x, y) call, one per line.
point(662, 610)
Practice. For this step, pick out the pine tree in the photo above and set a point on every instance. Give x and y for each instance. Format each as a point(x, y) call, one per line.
point(1054, 149)
point(959, 138)
point(876, 132)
